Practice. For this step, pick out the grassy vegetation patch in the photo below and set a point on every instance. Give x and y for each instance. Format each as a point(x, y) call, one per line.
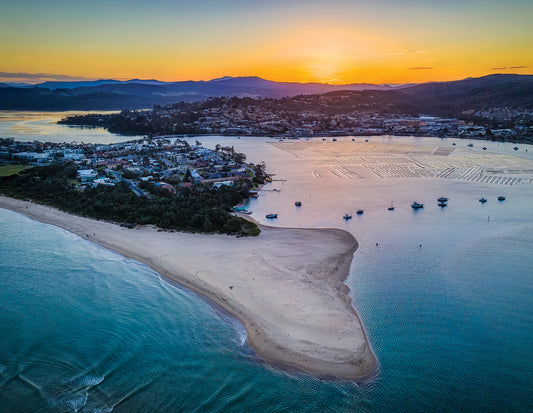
point(8, 170)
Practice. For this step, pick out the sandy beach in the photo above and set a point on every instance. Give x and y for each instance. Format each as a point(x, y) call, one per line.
point(286, 286)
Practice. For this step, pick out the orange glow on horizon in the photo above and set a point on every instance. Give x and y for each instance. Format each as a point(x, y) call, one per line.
point(340, 52)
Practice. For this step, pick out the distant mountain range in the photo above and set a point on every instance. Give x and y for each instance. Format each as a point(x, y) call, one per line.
point(443, 97)
point(227, 82)
point(83, 83)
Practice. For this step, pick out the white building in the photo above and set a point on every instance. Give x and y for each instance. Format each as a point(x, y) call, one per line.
point(87, 175)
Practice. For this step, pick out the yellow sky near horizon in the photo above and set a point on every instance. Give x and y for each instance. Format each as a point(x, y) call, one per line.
point(341, 42)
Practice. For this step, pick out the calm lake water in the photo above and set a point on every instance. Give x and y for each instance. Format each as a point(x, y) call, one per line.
point(42, 126)
point(445, 296)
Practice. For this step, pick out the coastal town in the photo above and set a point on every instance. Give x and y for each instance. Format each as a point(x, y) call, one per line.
point(340, 114)
point(166, 162)
point(165, 182)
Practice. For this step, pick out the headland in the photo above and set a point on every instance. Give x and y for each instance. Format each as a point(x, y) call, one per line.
point(286, 286)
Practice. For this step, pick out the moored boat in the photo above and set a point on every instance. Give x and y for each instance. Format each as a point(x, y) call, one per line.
point(442, 199)
point(482, 200)
point(347, 217)
point(271, 216)
point(416, 205)
point(515, 148)
point(443, 204)
point(360, 212)
point(501, 198)
point(391, 208)
point(298, 203)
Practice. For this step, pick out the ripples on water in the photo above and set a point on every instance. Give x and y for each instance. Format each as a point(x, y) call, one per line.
point(84, 329)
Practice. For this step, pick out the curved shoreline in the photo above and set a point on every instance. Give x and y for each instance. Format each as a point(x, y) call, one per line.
point(285, 286)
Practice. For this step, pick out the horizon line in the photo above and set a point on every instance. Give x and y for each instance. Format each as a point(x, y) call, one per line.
point(75, 79)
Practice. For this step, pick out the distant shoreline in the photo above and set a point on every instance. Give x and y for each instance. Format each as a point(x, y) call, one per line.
point(293, 303)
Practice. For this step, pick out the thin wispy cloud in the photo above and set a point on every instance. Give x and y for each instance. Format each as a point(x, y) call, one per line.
point(509, 67)
point(39, 77)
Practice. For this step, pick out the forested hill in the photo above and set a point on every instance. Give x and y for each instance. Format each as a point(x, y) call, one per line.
point(442, 98)
point(495, 91)
point(142, 94)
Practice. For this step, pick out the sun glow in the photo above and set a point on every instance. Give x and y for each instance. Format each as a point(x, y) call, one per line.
point(302, 41)
point(325, 53)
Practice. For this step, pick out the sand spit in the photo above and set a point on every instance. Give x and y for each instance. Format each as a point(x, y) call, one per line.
point(285, 286)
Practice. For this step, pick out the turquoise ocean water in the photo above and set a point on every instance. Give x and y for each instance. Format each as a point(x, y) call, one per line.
point(85, 329)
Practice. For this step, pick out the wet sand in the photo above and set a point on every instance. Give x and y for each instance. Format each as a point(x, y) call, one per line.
point(286, 286)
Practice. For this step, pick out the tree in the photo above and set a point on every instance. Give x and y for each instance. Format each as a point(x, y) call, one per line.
point(240, 157)
point(233, 225)
point(207, 225)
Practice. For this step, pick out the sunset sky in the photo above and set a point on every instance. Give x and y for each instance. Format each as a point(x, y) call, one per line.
point(336, 41)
